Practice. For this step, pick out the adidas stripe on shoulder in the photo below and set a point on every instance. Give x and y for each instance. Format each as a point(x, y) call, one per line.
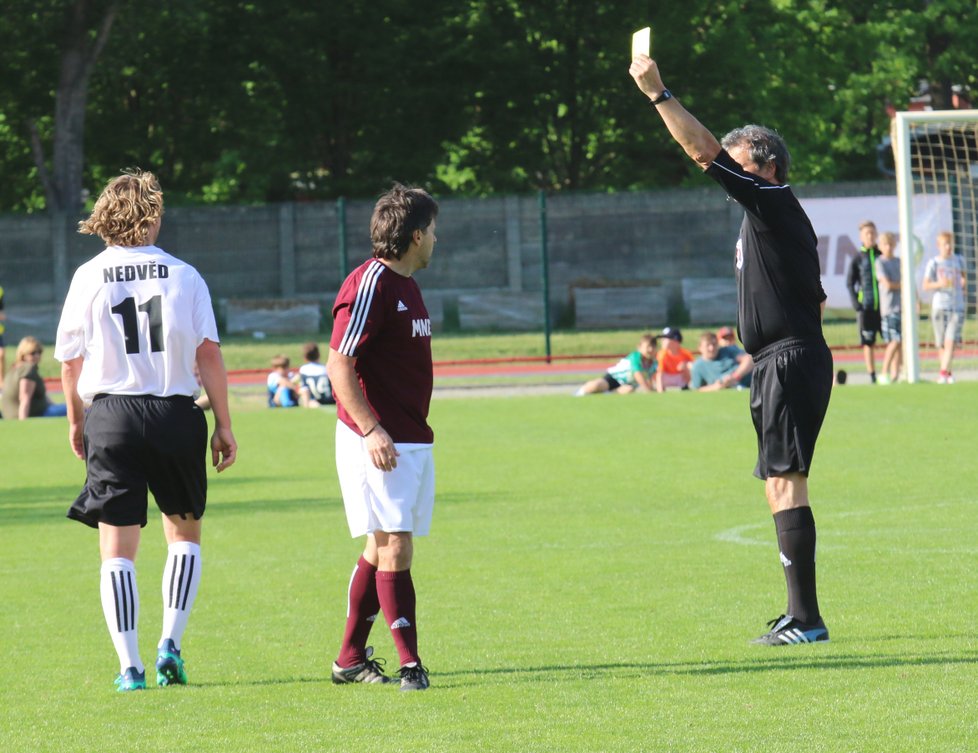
point(360, 308)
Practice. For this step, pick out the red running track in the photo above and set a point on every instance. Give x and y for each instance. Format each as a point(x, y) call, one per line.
point(485, 367)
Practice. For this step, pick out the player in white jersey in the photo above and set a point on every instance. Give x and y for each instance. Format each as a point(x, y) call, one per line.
point(134, 321)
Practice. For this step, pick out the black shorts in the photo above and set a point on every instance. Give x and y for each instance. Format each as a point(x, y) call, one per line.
point(788, 399)
point(139, 442)
point(870, 325)
point(613, 384)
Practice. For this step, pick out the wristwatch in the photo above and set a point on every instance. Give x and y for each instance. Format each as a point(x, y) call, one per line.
point(666, 95)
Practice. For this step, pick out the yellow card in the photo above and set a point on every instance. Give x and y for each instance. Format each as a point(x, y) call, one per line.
point(642, 42)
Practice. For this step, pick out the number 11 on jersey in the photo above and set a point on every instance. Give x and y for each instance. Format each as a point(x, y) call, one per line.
point(130, 326)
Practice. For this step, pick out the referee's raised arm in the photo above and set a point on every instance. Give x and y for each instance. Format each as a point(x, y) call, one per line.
point(695, 139)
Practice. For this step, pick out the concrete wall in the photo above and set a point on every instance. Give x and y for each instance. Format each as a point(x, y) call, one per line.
point(675, 248)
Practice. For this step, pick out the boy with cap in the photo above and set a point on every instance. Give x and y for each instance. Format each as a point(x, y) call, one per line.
point(674, 361)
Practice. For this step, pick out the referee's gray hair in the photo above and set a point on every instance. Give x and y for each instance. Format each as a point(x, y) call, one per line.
point(763, 146)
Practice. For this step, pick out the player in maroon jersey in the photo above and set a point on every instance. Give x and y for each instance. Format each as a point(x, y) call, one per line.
point(380, 369)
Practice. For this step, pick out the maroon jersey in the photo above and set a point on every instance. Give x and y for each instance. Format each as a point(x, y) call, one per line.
point(380, 319)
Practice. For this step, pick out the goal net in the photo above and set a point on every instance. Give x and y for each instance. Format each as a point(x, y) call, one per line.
point(936, 158)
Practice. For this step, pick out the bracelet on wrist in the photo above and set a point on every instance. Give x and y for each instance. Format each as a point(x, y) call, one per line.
point(368, 433)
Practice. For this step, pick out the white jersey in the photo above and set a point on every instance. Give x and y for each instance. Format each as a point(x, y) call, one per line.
point(314, 377)
point(137, 316)
point(948, 272)
point(313, 369)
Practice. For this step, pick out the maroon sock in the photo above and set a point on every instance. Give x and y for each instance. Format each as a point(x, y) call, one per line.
point(361, 611)
point(396, 593)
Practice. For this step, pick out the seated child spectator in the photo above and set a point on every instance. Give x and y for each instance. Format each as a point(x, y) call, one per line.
point(674, 361)
point(720, 367)
point(281, 390)
point(633, 373)
point(314, 386)
point(24, 394)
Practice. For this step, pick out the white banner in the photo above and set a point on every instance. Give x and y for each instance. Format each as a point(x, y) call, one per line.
point(836, 223)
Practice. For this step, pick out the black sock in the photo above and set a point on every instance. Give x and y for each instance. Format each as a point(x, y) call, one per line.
point(796, 539)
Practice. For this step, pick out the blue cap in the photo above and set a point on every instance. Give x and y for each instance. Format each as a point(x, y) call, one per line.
point(672, 333)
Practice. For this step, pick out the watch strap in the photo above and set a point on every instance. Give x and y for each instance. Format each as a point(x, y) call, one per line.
point(666, 95)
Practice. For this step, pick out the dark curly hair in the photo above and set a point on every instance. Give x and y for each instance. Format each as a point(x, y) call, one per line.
point(397, 214)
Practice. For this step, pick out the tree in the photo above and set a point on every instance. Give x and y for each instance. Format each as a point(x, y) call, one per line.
point(241, 102)
point(547, 97)
point(86, 27)
point(237, 101)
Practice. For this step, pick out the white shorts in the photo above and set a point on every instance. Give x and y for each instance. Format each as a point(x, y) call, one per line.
point(948, 325)
point(400, 500)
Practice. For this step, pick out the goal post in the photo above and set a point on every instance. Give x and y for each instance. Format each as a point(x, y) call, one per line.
point(936, 159)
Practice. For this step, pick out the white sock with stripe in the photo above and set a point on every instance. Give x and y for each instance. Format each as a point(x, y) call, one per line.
point(120, 605)
point(181, 576)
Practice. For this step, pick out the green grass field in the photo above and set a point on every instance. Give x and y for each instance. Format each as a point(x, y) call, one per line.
point(595, 571)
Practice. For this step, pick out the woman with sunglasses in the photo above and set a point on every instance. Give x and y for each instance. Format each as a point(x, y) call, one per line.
point(24, 395)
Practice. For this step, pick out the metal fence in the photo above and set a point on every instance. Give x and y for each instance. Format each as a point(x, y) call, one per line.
point(491, 247)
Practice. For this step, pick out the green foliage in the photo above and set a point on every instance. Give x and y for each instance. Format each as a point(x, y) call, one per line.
point(238, 102)
point(30, 59)
point(595, 570)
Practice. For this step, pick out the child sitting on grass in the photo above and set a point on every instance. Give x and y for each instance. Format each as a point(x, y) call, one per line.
point(281, 390)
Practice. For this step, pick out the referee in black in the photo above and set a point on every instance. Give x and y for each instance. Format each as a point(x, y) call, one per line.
point(779, 320)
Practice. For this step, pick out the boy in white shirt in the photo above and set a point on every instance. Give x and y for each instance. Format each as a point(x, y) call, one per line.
point(314, 387)
point(945, 276)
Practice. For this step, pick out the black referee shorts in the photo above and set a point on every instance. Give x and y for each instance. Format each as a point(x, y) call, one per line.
point(139, 442)
point(788, 399)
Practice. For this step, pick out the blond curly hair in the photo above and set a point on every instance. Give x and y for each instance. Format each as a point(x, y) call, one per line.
point(126, 210)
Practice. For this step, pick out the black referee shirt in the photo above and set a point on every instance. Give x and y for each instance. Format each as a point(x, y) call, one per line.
point(779, 288)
